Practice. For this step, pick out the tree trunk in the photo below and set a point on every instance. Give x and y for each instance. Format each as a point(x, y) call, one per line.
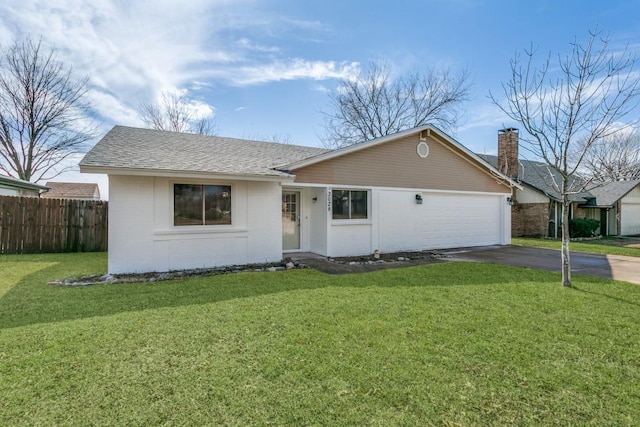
point(566, 262)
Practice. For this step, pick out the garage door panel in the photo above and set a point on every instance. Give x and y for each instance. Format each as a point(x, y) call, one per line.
point(442, 221)
point(462, 220)
point(400, 221)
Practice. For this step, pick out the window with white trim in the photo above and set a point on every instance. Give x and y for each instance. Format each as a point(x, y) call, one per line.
point(195, 204)
point(350, 204)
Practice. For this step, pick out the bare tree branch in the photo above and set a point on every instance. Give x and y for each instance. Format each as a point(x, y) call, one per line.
point(569, 113)
point(373, 104)
point(615, 158)
point(42, 112)
point(175, 113)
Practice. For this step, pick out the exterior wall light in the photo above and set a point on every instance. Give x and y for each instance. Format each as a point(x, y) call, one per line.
point(419, 199)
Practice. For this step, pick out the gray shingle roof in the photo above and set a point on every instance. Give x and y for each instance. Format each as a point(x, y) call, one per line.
point(610, 193)
point(537, 175)
point(135, 148)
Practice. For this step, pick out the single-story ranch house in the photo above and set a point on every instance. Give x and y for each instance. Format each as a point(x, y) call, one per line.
point(181, 201)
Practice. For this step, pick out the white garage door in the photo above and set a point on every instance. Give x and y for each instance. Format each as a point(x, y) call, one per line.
point(462, 220)
point(441, 221)
point(630, 218)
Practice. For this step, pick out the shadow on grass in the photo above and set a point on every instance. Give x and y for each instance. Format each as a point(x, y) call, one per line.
point(31, 301)
point(607, 296)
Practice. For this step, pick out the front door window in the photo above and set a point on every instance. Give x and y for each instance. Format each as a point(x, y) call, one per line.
point(290, 220)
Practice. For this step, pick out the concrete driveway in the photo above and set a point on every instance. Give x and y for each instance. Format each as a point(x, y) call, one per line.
point(609, 266)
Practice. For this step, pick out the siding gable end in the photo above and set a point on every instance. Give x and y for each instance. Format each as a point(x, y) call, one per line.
point(397, 164)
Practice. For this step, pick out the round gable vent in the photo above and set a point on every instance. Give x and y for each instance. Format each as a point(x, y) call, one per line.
point(422, 149)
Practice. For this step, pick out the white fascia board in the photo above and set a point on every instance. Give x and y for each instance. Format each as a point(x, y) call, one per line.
point(182, 174)
point(12, 183)
point(402, 189)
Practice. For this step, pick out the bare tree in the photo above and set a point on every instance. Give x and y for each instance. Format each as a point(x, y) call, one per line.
point(373, 104)
point(569, 107)
point(175, 113)
point(43, 113)
point(616, 158)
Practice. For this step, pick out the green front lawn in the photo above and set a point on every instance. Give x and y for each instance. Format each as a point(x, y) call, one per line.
point(450, 344)
point(606, 246)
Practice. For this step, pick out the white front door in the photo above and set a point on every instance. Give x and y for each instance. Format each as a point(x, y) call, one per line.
point(290, 220)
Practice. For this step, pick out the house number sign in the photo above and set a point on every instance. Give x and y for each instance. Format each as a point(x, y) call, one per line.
point(328, 200)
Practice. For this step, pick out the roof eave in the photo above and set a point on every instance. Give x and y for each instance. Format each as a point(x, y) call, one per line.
point(23, 185)
point(109, 170)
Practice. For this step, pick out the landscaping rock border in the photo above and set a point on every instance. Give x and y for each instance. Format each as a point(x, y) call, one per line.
point(344, 264)
point(287, 264)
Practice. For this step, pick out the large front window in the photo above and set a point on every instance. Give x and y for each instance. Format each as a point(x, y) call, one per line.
point(349, 204)
point(195, 204)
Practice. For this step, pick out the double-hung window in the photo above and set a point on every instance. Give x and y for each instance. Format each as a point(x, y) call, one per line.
point(350, 204)
point(195, 204)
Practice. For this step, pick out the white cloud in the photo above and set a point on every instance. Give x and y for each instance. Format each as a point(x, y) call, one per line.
point(248, 44)
point(200, 110)
point(484, 115)
point(130, 50)
point(289, 70)
point(134, 51)
point(321, 88)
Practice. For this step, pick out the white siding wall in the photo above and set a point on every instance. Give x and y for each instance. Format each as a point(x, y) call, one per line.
point(400, 220)
point(443, 220)
point(317, 220)
point(142, 236)
point(5, 191)
point(8, 192)
point(131, 225)
point(264, 222)
point(349, 240)
point(528, 195)
point(630, 213)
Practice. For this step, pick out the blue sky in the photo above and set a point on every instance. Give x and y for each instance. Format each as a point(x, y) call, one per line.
point(265, 68)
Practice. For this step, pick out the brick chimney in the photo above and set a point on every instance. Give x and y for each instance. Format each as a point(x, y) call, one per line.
point(508, 152)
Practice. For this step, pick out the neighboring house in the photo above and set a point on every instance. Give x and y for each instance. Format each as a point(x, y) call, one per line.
point(10, 186)
point(182, 201)
point(72, 190)
point(616, 205)
point(537, 206)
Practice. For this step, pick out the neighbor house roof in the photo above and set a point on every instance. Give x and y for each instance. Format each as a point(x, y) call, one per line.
point(610, 193)
point(9, 181)
point(72, 190)
point(539, 176)
point(146, 150)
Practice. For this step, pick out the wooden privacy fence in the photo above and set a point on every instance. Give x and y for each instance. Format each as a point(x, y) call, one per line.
point(31, 225)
